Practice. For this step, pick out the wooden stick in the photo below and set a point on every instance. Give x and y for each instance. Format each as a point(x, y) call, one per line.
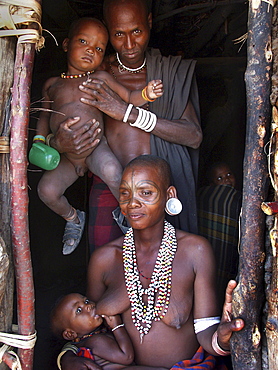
point(19, 196)
point(248, 296)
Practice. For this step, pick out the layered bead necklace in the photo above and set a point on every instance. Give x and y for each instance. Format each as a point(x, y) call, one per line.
point(160, 282)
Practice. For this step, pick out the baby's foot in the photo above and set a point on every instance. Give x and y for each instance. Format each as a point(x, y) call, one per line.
point(73, 233)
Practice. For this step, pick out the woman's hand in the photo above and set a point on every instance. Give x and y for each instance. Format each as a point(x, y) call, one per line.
point(69, 140)
point(228, 325)
point(102, 97)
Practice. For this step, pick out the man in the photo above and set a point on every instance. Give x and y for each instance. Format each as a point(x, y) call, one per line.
point(177, 126)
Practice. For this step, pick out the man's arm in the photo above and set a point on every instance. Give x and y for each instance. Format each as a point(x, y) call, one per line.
point(185, 131)
point(135, 97)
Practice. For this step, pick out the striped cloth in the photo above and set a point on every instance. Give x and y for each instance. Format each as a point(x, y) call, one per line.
point(102, 228)
point(201, 360)
point(218, 218)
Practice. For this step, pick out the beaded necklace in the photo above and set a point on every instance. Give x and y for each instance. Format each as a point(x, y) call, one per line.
point(100, 329)
point(122, 67)
point(160, 284)
point(64, 75)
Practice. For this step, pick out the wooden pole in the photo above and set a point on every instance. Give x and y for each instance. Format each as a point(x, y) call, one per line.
point(19, 201)
point(248, 297)
point(272, 288)
point(7, 55)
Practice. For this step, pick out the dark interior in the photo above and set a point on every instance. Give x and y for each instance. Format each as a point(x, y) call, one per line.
point(208, 31)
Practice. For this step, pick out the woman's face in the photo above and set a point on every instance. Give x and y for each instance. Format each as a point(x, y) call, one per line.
point(143, 196)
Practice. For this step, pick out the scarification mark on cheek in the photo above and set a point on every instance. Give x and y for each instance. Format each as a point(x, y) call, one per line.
point(148, 192)
point(125, 192)
point(141, 191)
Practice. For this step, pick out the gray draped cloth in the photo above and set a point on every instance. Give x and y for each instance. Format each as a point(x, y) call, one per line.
point(180, 85)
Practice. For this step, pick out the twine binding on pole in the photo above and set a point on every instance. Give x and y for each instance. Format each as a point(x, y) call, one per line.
point(4, 145)
point(18, 341)
point(17, 13)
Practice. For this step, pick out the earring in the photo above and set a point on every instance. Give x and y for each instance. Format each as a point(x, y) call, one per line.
point(173, 206)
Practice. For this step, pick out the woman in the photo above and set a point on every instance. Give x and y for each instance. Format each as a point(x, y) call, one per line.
point(160, 279)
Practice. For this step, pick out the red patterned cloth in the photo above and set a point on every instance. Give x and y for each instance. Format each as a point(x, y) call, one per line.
point(85, 352)
point(102, 227)
point(201, 360)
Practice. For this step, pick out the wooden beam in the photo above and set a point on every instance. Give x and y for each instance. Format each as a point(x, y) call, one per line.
point(249, 295)
point(20, 108)
point(19, 195)
point(7, 55)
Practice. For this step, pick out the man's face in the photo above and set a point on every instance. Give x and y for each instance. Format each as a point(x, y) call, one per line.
point(129, 30)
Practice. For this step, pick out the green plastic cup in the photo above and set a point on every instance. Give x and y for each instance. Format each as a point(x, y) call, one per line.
point(44, 156)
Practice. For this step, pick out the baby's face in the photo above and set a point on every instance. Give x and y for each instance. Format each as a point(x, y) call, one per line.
point(222, 175)
point(86, 48)
point(81, 314)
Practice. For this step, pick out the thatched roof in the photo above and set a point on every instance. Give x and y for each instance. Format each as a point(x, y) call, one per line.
point(195, 28)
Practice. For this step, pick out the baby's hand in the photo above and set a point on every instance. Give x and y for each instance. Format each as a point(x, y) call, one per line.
point(154, 89)
point(113, 321)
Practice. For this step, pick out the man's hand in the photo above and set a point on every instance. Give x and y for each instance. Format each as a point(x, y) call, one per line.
point(70, 361)
point(228, 325)
point(102, 97)
point(69, 140)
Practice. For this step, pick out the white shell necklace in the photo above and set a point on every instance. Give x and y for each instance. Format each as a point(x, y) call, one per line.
point(123, 68)
point(160, 282)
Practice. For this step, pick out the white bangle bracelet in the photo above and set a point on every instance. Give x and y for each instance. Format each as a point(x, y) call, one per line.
point(127, 112)
point(215, 345)
point(117, 327)
point(146, 120)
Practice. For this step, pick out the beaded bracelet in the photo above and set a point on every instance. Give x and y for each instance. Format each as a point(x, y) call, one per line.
point(39, 138)
point(145, 96)
point(216, 347)
point(117, 327)
point(146, 120)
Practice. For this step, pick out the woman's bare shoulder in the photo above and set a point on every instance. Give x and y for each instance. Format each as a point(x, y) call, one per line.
point(109, 250)
point(192, 242)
